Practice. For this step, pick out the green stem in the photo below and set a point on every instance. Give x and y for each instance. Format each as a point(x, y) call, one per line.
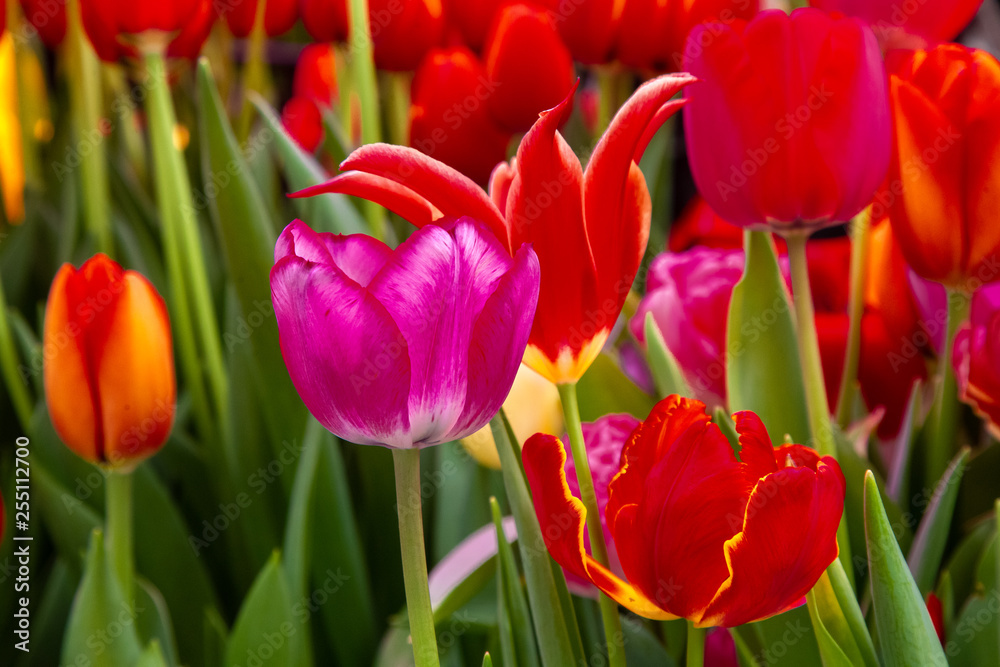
point(15, 382)
point(185, 257)
point(817, 404)
point(84, 82)
point(411, 537)
point(397, 87)
point(607, 86)
point(255, 73)
point(696, 645)
point(943, 441)
point(118, 488)
point(599, 550)
point(860, 244)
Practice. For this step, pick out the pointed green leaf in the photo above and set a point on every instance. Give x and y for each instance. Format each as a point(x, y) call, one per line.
point(520, 647)
point(155, 625)
point(101, 630)
point(546, 609)
point(605, 389)
point(763, 370)
point(487, 661)
point(326, 213)
point(216, 638)
point(266, 628)
point(153, 656)
point(666, 371)
point(906, 633)
point(837, 645)
point(928, 546)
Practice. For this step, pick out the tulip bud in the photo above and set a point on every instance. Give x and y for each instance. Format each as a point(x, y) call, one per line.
point(109, 369)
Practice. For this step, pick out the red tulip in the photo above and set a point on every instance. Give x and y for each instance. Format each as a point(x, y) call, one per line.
point(700, 534)
point(109, 369)
point(316, 74)
point(788, 127)
point(944, 178)
point(303, 120)
point(449, 118)
point(913, 24)
point(279, 16)
point(114, 28)
point(528, 64)
point(589, 228)
point(473, 19)
point(48, 17)
point(652, 32)
point(589, 27)
point(403, 31)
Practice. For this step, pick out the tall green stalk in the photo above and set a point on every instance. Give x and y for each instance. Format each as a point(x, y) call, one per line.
point(860, 247)
point(598, 549)
point(411, 536)
point(943, 439)
point(118, 511)
point(695, 645)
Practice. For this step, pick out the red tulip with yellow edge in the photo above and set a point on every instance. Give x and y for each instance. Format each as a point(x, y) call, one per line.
point(109, 368)
point(944, 178)
point(700, 534)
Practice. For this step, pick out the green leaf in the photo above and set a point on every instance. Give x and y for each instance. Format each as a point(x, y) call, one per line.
point(906, 633)
point(763, 370)
point(837, 644)
point(266, 628)
point(546, 609)
point(641, 645)
point(155, 625)
point(216, 638)
point(929, 543)
point(516, 635)
point(101, 630)
point(487, 661)
point(666, 371)
point(153, 656)
point(326, 213)
point(604, 389)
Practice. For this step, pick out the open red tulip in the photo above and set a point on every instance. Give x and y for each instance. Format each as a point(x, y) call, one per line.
point(700, 534)
point(589, 228)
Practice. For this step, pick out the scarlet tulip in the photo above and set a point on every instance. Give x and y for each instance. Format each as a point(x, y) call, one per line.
point(473, 19)
point(944, 180)
point(588, 228)
point(279, 16)
point(915, 24)
point(117, 29)
point(48, 17)
point(314, 88)
point(528, 65)
point(788, 128)
point(109, 370)
point(449, 117)
point(303, 120)
point(325, 20)
point(700, 534)
point(589, 27)
point(977, 357)
point(403, 348)
point(652, 32)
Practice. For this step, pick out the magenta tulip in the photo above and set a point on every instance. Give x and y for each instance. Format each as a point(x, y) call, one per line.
point(788, 128)
point(403, 348)
point(977, 357)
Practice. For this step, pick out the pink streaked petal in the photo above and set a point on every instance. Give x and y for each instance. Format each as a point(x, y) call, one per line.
point(330, 330)
point(385, 192)
point(447, 189)
point(434, 287)
point(498, 340)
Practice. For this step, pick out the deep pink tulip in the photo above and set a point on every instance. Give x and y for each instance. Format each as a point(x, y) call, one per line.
point(789, 127)
point(977, 357)
point(408, 347)
point(605, 439)
point(688, 294)
point(909, 24)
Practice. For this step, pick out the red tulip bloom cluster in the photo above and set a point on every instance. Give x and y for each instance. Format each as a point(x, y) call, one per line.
point(944, 181)
point(589, 228)
point(788, 127)
point(700, 534)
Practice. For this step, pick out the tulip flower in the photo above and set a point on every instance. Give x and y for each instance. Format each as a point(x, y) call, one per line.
point(303, 120)
point(449, 117)
point(279, 16)
point(473, 19)
point(532, 406)
point(944, 172)
point(652, 32)
point(589, 27)
point(403, 31)
point(48, 17)
point(404, 348)
point(788, 128)
point(688, 294)
point(528, 65)
point(913, 25)
point(700, 534)
point(977, 357)
point(314, 88)
point(124, 29)
point(109, 369)
point(589, 228)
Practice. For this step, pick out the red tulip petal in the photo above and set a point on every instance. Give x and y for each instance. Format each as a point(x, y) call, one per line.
point(788, 539)
point(387, 193)
point(756, 450)
point(562, 518)
point(500, 181)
